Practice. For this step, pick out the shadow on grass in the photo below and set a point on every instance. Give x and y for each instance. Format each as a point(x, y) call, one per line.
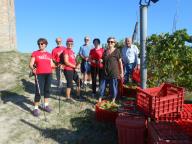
point(28, 86)
point(19, 100)
point(91, 131)
point(60, 135)
point(85, 130)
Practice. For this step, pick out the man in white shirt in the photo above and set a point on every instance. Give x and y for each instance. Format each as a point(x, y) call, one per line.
point(130, 58)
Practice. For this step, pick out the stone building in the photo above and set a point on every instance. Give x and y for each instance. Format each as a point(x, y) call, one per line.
point(7, 26)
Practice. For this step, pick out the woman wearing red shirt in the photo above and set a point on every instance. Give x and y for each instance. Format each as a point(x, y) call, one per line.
point(95, 57)
point(70, 69)
point(43, 63)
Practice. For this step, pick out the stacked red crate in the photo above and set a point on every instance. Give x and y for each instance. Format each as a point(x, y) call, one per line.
point(160, 101)
point(131, 128)
point(185, 114)
point(166, 133)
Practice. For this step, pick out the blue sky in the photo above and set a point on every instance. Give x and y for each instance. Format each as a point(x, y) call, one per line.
point(96, 18)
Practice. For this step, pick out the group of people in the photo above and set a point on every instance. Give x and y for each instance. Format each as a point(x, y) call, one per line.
point(109, 64)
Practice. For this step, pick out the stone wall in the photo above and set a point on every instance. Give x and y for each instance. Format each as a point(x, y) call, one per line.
point(7, 26)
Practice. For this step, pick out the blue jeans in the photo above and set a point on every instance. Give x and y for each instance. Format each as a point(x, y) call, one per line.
point(128, 71)
point(85, 67)
point(113, 87)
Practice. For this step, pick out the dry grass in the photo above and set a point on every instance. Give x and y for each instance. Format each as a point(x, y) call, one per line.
point(75, 124)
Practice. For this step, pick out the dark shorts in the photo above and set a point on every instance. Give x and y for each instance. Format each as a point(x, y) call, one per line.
point(71, 75)
point(85, 67)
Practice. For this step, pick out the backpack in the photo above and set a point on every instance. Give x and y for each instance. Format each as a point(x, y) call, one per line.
point(61, 57)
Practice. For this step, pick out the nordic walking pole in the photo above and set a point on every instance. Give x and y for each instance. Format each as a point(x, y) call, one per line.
point(60, 86)
point(97, 72)
point(39, 92)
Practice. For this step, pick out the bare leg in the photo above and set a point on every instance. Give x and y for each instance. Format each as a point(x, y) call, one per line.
point(68, 92)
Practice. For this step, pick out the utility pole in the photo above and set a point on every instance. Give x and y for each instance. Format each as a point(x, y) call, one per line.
point(144, 4)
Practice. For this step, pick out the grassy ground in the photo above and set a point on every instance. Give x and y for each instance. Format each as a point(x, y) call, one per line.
point(74, 124)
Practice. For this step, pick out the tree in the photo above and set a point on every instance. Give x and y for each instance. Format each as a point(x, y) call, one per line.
point(169, 59)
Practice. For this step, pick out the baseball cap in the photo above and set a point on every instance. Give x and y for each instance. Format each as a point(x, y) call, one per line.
point(69, 40)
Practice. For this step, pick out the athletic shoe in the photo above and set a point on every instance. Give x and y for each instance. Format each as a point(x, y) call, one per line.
point(81, 98)
point(47, 109)
point(36, 112)
point(93, 95)
point(70, 100)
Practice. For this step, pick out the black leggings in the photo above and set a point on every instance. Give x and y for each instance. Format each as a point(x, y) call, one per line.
point(44, 82)
point(94, 72)
point(71, 75)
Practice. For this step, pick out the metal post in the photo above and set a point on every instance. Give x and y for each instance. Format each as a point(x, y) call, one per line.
point(143, 37)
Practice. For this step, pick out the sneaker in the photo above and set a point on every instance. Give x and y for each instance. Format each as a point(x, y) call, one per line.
point(93, 95)
point(47, 109)
point(36, 112)
point(80, 98)
point(70, 100)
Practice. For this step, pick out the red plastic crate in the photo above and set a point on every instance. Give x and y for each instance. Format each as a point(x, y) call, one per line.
point(131, 128)
point(166, 133)
point(159, 101)
point(104, 115)
point(120, 87)
point(129, 91)
point(186, 126)
point(136, 75)
point(185, 114)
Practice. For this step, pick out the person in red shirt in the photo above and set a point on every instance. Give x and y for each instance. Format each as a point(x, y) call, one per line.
point(41, 65)
point(56, 54)
point(70, 69)
point(95, 57)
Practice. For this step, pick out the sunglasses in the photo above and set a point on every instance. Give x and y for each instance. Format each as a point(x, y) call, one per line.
point(40, 43)
point(111, 42)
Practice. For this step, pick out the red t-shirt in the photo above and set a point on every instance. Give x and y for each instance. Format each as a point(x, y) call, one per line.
point(71, 56)
point(42, 61)
point(96, 54)
point(56, 53)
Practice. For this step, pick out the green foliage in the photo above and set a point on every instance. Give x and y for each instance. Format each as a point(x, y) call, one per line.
point(169, 59)
point(78, 59)
point(120, 44)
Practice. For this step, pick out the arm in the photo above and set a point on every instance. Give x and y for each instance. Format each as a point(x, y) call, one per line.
point(136, 57)
point(31, 64)
point(66, 60)
point(121, 68)
point(52, 64)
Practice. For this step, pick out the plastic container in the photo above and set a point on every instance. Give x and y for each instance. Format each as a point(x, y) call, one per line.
point(156, 102)
point(136, 75)
point(166, 133)
point(186, 126)
point(129, 91)
point(120, 87)
point(185, 114)
point(105, 115)
point(131, 129)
